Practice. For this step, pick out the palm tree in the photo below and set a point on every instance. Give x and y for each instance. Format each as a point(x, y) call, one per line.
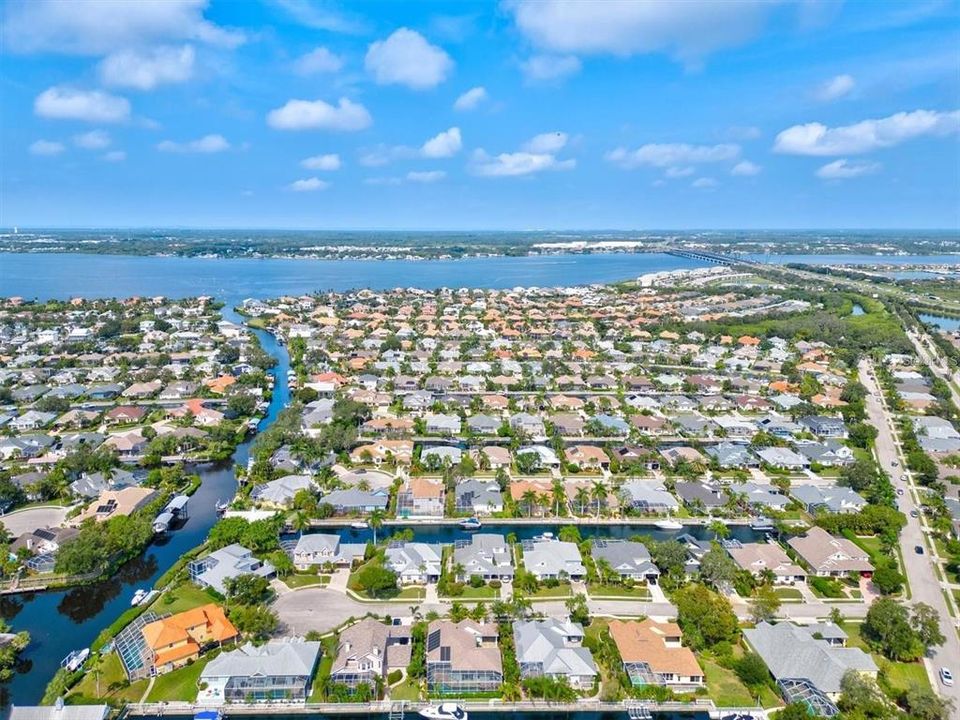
point(376, 522)
point(604, 570)
point(300, 521)
point(719, 529)
point(599, 493)
point(559, 497)
point(529, 499)
point(582, 499)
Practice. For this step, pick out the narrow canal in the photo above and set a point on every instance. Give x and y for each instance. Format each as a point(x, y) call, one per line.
point(59, 622)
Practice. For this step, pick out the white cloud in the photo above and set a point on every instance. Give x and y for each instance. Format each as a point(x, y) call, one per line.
point(46, 148)
point(115, 156)
point(309, 185)
point(146, 69)
point(550, 142)
point(672, 154)
point(317, 61)
point(745, 168)
point(516, 164)
point(406, 58)
point(835, 88)
point(208, 144)
point(382, 181)
point(346, 116)
point(446, 144)
point(93, 140)
point(322, 162)
point(63, 103)
point(319, 17)
point(427, 176)
point(704, 183)
point(867, 135)
point(384, 154)
point(550, 68)
point(98, 27)
point(679, 172)
point(471, 99)
point(843, 169)
point(687, 30)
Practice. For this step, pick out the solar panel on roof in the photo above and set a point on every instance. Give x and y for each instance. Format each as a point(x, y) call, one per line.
point(433, 641)
point(445, 653)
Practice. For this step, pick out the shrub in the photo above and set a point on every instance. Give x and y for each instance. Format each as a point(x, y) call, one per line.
point(476, 581)
point(495, 584)
point(828, 587)
point(394, 677)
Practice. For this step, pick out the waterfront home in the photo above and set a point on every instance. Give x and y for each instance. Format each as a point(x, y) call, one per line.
point(829, 453)
point(493, 457)
point(442, 424)
point(479, 497)
point(179, 639)
point(42, 541)
point(485, 555)
point(369, 650)
point(781, 457)
point(420, 497)
point(215, 569)
point(32, 420)
point(554, 648)
point(652, 653)
point(626, 559)
point(463, 657)
point(836, 499)
point(128, 445)
point(553, 559)
point(123, 414)
point(483, 424)
point(760, 558)
point(440, 456)
point(649, 496)
point(277, 671)
point(807, 667)
point(113, 503)
point(353, 501)
point(829, 556)
point(280, 492)
point(544, 457)
point(59, 711)
point(696, 495)
point(314, 549)
point(415, 563)
point(398, 451)
point(760, 496)
point(587, 457)
point(530, 425)
point(90, 485)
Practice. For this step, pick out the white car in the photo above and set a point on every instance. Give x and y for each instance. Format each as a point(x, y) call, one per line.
point(946, 677)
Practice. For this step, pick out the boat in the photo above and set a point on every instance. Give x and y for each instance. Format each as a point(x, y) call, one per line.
point(360, 525)
point(208, 715)
point(138, 597)
point(722, 714)
point(762, 524)
point(221, 507)
point(669, 524)
point(543, 537)
point(471, 524)
point(444, 711)
point(75, 660)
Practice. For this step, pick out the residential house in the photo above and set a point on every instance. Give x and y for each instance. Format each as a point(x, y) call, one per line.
point(836, 499)
point(825, 427)
point(781, 457)
point(649, 496)
point(354, 501)
point(463, 657)
point(325, 549)
point(627, 559)
point(829, 556)
point(280, 492)
point(485, 555)
point(277, 671)
point(179, 639)
point(758, 558)
point(479, 497)
point(653, 654)
point(415, 562)
point(554, 648)
point(369, 650)
point(215, 569)
point(420, 497)
point(553, 559)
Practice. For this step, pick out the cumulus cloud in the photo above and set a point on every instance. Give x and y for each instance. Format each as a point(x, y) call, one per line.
point(98, 27)
point(672, 155)
point(96, 106)
point(745, 168)
point(330, 161)
point(679, 172)
point(844, 169)
point(471, 99)
point(704, 183)
point(46, 148)
point(550, 142)
point(687, 31)
point(426, 176)
point(346, 116)
point(208, 144)
point(93, 140)
point(835, 88)
point(308, 185)
point(320, 16)
point(318, 61)
point(406, 58)
point(444, 145)
point(146, 69)
point(550, 68)
point(867, 135)
point(115, 156)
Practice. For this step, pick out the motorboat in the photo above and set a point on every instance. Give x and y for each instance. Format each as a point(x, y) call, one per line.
point(444, 711)
point(669, 524)
point(138, 597)
point(762, 524)
point(471, 523)
point(221, 507)
point(543, 537)
point(208, 715)
point(360, 525)
point(75, 660)
point(722, 714)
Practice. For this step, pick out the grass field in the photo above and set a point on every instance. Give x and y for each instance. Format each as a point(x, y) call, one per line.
point(299, 580)
point(726, 689)
point(561, 591)
point(788, 594)
point(900, 675)
point(185, 597)
point(112, 681)
point(323, 668)
point(407, 690)
point(178, 685)
point(481, 593)
point(635, 593)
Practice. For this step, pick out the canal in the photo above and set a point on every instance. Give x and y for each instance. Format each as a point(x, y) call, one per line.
point(59, 622)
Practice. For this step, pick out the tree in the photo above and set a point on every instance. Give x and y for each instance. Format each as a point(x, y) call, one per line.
point(859, 476)
point(924, 704)
point(376, 580)
point(578, 610)
point(888, 579)
point(376, 522)
point(705, 617)
point(860, 693)
point(281, 562)
point(719, 529)
point(796, 711)
point(248, 589)
point(752, 670)
point(257, 621)
point(717, 568)
point(926, 623)
point(764, 604)
point(887, 628)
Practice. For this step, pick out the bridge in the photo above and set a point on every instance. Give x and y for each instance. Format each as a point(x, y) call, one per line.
point(704, 256)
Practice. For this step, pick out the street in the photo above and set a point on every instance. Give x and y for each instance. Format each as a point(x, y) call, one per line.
point(924, 585)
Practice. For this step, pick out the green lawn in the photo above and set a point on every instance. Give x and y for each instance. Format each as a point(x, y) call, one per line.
point(186, 596)
point(178, 685)
point(561, 591)
point(726, 690)
point(899, 675)
point(112, 681)
point(299, 580)
point(789, 594)
point(485, 592)
point(323, 668)
point(635, 593)
point(407, 690)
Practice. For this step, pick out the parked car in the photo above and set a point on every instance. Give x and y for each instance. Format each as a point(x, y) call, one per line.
point(918, 549)
point(914, 513)
point(946, 677)
point(899, 491)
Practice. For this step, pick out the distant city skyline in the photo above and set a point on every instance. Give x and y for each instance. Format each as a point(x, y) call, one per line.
point(521, 115)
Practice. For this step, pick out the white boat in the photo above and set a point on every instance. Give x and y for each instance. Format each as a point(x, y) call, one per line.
point(221, 507)
point(360, 525)
point(138, 597)
point(669, 524)
point(75, 660)
point(722, 714)
point(444, 711)
point(471, 523)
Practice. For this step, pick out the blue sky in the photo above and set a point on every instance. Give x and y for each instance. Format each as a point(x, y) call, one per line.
point(524, 114)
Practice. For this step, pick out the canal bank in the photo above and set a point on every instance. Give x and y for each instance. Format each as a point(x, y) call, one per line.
point(62, 621)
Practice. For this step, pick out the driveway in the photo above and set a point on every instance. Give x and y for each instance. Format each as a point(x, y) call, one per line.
point(21, 521)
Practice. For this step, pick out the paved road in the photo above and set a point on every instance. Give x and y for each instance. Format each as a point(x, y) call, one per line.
point(924, 584)
point(23, 521)
point(934, 360)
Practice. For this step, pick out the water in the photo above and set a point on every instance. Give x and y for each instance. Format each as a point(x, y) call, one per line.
point(854, 259)
point(857, 309)
point(944, 323)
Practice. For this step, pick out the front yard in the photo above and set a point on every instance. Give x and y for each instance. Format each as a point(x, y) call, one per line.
point(618, 591)
point(899, 675)
point(299, 580)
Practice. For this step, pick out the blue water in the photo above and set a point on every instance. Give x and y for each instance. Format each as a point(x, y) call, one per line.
point(855, 259)
point(944, 323)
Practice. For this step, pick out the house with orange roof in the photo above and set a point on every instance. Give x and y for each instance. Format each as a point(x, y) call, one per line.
point(202, 415)
point(587, 457)
point(400, 451)
point(220, 384)
point(179, 639)
point(653, 654)
point(420, 497)
point(748, 340)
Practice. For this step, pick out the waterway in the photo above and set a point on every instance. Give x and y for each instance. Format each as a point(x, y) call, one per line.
point(944, 323)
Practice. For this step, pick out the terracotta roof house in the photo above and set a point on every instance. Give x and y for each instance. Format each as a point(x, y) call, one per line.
point(420, 497)
point(378, 452)
point(177, 640)
point(587, 457)
point(652, 654)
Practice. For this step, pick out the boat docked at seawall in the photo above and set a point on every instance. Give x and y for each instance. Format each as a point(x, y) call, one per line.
point(471, 523)
point(444, 711)
point(213, 714)
point(138, 597)
point(75, 660)
point(728, 714)
point(360, 525)
point(669, 524)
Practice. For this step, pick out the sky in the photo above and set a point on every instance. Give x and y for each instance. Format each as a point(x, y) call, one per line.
point(520, 114)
